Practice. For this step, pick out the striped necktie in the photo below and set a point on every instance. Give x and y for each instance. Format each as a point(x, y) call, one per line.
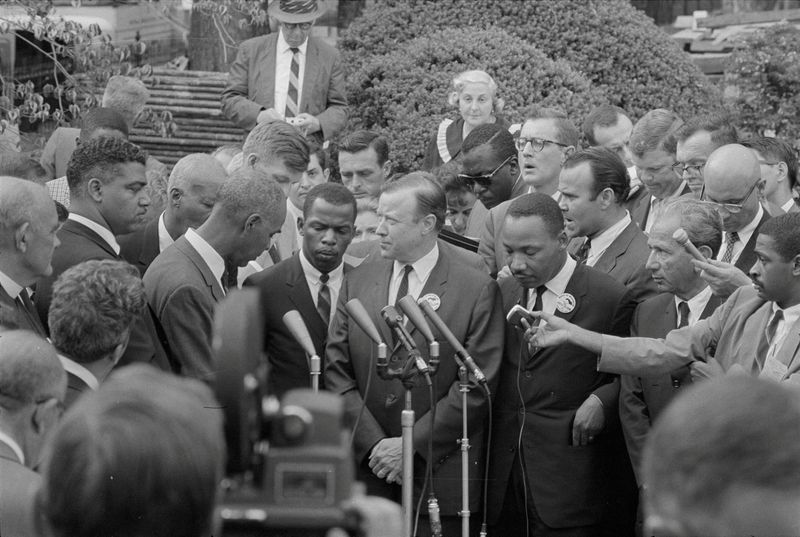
point(292, 97)
point(324, 299)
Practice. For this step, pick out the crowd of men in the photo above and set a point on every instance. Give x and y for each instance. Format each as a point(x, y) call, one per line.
point(632, 310)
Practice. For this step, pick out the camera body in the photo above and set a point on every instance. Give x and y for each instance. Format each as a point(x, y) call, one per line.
point(289, 463)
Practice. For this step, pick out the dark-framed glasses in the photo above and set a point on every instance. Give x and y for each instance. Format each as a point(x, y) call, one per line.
point(293, 25)
point(731, 207)
point(680, 168)
point(484, 180)
point(537, 144)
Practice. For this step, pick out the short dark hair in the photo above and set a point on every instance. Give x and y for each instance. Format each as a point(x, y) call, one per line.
point(429, 195)
point(541, 205)
point(777, 149)
point(784, 230)
point(567, 132)
point(448, 179)
point(605, 115)
point(719, 126)
point(161, 440)
point(278, 141)
point(94, 305)
point(361, 140)
point(499, 139)
point(334, 193)
point(100, 158)
point(701, 221)
point(22, 166)
point(656, 130)
point(321, 153)
point(608, 171)
point(102, 118)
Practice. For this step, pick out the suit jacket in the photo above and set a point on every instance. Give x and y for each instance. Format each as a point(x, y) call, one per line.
point(567, 483)
point(747, 258)
point(141, 247)
point(475, 318)
point(251, 84)
point(75, 387)
point(641, 213)
point(22, 317)
point(78, 244)
point(18, 487)
point(733, 334)
point(183, 292)
point(491, 235)
point(284, 288)
point(642, 399)
point(624, 260)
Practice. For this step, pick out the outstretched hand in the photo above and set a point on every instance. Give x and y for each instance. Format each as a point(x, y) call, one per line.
point(723, 278)
point(548, 332)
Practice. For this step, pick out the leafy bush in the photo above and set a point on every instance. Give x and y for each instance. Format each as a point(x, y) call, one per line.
point(618, 48)
point(763, 77)
point(403, 93)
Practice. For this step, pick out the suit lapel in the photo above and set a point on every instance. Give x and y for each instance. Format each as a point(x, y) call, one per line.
point(150, 243)
point(748, 256)
point(616, 249)
point(301, 298)
point(309, 75)
point(378, 297)
point(188, 250)
point(642, 211)
point(788, 350)
point(71, 226)
point(267, 80)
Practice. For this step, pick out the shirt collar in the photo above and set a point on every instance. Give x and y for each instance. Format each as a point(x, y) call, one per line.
point(696, 304)
point(207, 252)
point(71, 366)
point(164, 238)
point(792, 312)
point(10, 442)
point(558, 283)
point(786, 207)
point(11, 287)
point(311, 271)
point(284, 48)
point(603, 240)
point(422, 266)
point(104, 232)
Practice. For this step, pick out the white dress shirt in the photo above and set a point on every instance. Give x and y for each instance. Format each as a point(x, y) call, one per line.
point(10, 442)
point(790, 316)
point(696, 305)
point(744, 236)
point(602, 241)
point(164, 238)
point(71, 366)
point(9, 286)
point(283, 66)
point(417, 278)
point(335, 278)
point(104, 232)
point(209, 255)
point(786, 207)
point(555, 287)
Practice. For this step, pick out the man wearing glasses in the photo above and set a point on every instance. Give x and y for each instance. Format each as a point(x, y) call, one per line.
point(288, 76)
point(696, 141)
point(32, 389)
point(778, 162)
point(732, 175)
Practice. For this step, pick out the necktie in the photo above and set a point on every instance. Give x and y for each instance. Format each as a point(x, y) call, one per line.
point(537, 303)
point(403, 289)
point(273, 254)
point(583, 252)
point(731, 238)
point(292, 100)
point(772, 327)
point(324, 299)
point(26, 310)
point(681, 373)
point(229, 277)
point(683, 311)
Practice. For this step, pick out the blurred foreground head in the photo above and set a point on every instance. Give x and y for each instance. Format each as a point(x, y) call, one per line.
point(142, 456)
point(723, 461)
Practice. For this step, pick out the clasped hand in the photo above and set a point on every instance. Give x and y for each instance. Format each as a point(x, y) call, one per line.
point(386, 460)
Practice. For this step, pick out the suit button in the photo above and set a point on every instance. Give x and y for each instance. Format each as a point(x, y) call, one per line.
point(676, 383)
point(528, 374)
point(521, 409)
point(511, 450)
point(394, 359)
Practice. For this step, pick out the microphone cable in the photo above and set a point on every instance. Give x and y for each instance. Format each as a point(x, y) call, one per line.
point(486, 463)
point(428, 480)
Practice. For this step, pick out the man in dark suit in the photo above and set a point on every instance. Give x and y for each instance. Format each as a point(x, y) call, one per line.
point(685, 299)
point(329, 214)
point(594, 186)
point(94, 306)
point(28, 227)
point(778, 164)
point(551, 449)
point(191, 193)
point(653, 145)
point(186, 280)
point(412, 211)
point(288, 76)
point(107, 183)
point(732, 175)
point(32, 387)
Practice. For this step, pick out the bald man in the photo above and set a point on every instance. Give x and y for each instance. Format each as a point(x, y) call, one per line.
point(28, 226)
point(732, 175)
point(191, 191)
point(32, 390)
point(186, 280)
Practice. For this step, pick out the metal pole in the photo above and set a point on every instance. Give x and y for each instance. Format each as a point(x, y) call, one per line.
point(407, 422)
point(463, 387)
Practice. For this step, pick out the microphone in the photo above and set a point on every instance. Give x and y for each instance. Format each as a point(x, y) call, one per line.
point(395, 321)
point(357, 312)
point(451, 338)
point(414, 314)
point(682, 238)
point(297, 326)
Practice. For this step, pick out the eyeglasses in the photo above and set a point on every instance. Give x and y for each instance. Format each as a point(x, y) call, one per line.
point(537, 144)
point(680, 168)
point(485, 180)
point(295, 25)
point(734, 207)
point(767, 163)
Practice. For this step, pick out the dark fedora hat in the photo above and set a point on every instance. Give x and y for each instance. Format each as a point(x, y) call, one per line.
point(295, 11)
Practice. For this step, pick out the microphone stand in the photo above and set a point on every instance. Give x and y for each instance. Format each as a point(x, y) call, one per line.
point(463, 387)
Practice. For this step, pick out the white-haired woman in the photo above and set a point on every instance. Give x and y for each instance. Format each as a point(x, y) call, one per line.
point(475, 95)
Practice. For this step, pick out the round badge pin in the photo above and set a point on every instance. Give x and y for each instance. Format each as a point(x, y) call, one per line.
point(565, 303)
point(433, 300)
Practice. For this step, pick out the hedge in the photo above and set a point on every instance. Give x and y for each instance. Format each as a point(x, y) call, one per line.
point(763, 77)
point(403, 94)
point(618, 48)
